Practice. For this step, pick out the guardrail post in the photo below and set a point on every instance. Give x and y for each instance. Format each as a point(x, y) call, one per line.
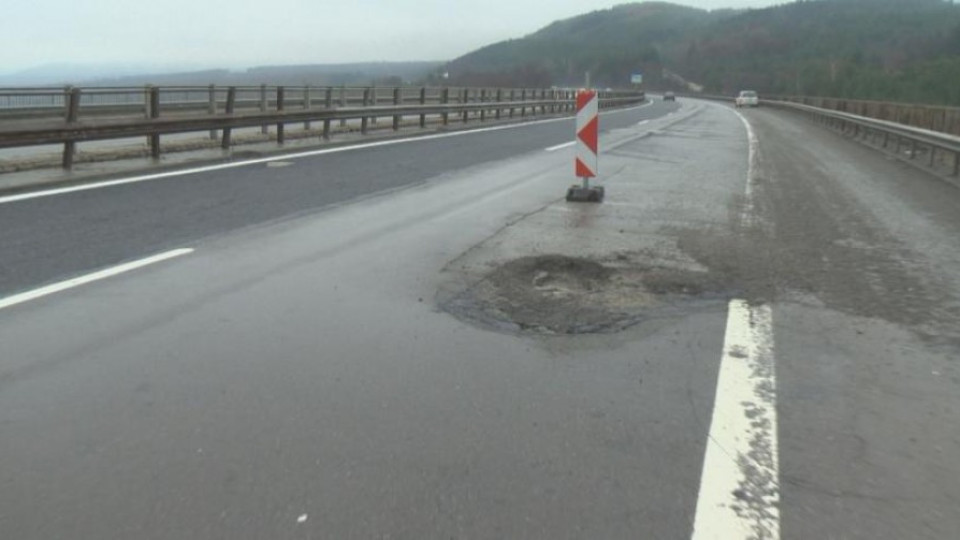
point(464, 101)
point(373, 102)
point(228, 110)
point(343, 103)
point(264, 129)
point(913, 149)
point(423, 101)
point(523, 99)
point(933, 153)
point(512, 98)
point(72, 106)
point(543, 97)
point(483, 99)
point(146, 105)
point(499, 101)
point(445, 100)
point(364, 120)
point(397, 100)
point(281, 91)
point(155, 113)
point(306, 105)
point(146, 101)
point(328, 104)
point(212, 107)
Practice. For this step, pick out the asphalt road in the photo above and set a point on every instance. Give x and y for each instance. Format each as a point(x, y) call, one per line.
point(49, 238)
point(338, 361)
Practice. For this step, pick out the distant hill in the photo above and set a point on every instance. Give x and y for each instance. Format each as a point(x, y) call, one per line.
point(611, 44)
point(77, 73)
point(383, 73)
point(869, 49)
point(906, 50)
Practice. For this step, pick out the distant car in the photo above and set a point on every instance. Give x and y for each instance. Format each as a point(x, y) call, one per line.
point(748, 98)
point(669, 96)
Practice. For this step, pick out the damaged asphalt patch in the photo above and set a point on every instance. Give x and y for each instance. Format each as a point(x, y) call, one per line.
point(559, 294)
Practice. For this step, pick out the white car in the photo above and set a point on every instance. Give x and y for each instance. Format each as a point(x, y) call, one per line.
point(748, 98)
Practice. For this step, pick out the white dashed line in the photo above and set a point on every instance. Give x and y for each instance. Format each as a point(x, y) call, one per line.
point(740, 486)
point(559, 146)
point(89, 278)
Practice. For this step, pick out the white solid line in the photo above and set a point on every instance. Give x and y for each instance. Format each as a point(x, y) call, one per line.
point(95, 276)
point(559, 146)
point(284, 157)
point(740, 485)
point(747, 215)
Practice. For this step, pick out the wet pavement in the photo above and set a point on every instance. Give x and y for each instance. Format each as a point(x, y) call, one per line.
point(473, 357)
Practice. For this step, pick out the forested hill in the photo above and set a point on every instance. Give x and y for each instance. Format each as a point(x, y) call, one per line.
point(611, 44)
point(905, 50)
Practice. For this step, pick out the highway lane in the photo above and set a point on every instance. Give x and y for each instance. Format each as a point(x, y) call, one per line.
point(323, 377)
point(304, 369)
point(49, 238)
point(864, 258)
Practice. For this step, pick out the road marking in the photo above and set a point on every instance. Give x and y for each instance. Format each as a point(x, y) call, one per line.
point(740, 485)
point(642, 122)
point(89, 278)
point(559, 146)
point(747, 215)
point(285, 157)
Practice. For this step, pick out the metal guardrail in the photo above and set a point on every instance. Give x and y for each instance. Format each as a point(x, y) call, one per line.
point(932, 117)
point(274, 106)
point(884, 133)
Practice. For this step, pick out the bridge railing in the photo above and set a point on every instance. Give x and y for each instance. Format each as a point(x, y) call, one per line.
point(931, 117)
point(937, 146)
point(67, 116)
point(911, 140)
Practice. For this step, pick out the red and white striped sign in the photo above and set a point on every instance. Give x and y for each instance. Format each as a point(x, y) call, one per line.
point(588, 124)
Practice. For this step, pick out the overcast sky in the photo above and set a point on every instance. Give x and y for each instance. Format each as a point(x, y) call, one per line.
point(242, 33)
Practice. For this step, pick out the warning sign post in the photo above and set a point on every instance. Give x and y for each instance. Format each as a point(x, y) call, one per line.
point(587, 162)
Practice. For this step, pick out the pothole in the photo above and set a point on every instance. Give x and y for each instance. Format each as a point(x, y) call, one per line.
point(558, 294)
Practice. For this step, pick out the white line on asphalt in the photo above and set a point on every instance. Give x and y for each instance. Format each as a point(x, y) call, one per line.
point(740, 486)
point(95, 276)
point(559, 146)
point(285, 157)
point(642, 122)
point(747, 215)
